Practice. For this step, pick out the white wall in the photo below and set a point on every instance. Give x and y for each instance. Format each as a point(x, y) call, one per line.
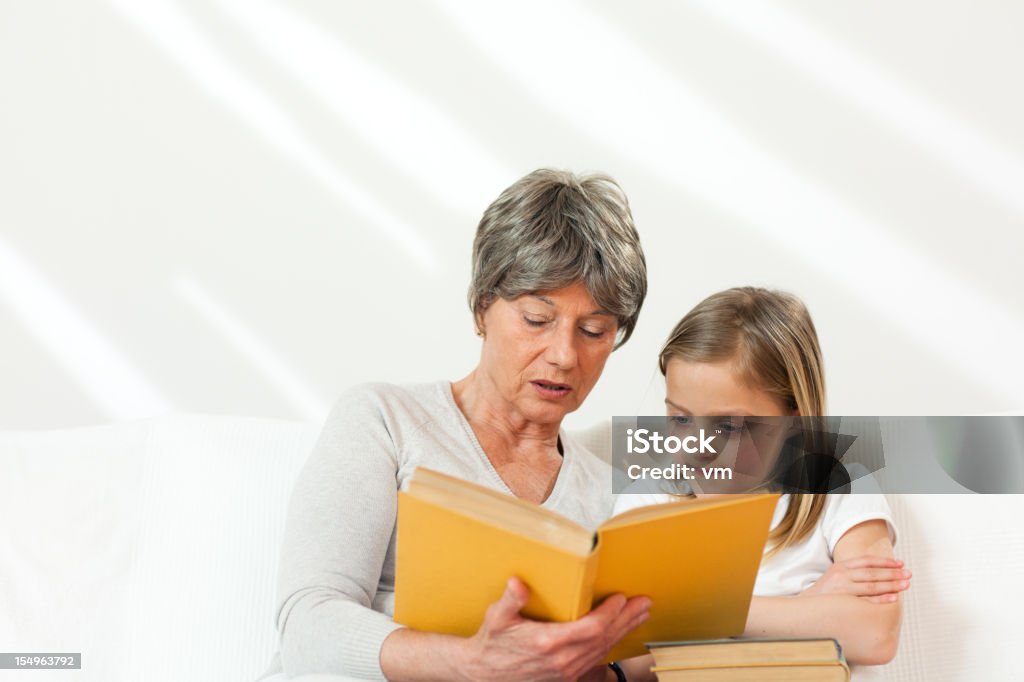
point(244, 206)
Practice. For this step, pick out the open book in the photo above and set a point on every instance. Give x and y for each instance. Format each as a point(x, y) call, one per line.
point(458, 543)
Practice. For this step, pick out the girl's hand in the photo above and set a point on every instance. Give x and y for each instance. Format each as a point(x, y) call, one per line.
point(877, 579)
point(510, 647)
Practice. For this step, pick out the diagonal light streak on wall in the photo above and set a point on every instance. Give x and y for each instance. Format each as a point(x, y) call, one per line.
point(299, 393)
point(958, 146)
point(100, 369)
point(401, 125)
point(172, 30)
point(682, 139)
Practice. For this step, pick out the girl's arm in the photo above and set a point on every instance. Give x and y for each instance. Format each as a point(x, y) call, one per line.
point(868, 631)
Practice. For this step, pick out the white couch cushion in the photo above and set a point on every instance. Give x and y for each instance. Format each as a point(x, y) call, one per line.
point(150, 547)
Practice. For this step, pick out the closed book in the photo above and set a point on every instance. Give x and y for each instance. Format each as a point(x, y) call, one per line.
point(459, 542)
point(750, 659)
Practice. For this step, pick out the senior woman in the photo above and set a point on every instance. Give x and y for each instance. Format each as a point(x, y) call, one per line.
point(558, 280)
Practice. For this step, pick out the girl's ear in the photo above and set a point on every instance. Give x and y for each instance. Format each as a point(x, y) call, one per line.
point(794, 425)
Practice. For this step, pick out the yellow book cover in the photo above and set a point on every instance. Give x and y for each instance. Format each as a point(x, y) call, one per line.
point(458, 543)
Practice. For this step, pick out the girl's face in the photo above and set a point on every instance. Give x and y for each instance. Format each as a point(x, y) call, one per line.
point(713, 397)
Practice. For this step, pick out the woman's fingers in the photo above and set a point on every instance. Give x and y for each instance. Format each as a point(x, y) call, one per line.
point(608, 609)
point(615, 616)
point(599, 627)
point(505, 611)
point(527, 649)
point(635, 611)
point(610, 621)
point(588, 640)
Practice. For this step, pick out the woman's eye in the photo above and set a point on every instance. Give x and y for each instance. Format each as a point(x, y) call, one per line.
point(535, 322)
point(594, 334)
point(729, 427)
point(679, 419)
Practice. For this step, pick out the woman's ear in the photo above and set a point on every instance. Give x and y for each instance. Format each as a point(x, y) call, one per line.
point(478, 315)
point(478, 323)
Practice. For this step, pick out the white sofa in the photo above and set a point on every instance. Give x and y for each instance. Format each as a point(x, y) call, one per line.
point(152, 548)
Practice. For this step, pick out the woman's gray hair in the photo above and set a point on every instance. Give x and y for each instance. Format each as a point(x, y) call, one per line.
point(553, 228)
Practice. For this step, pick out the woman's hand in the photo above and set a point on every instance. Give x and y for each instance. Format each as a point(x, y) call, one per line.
point(510, 647)
point(876, 578)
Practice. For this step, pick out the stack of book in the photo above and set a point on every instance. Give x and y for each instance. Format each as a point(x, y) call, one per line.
point(750, 660)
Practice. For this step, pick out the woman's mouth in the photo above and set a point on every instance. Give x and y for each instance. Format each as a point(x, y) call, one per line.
point(551, 390)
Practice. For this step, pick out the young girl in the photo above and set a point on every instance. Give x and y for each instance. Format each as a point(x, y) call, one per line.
point(828, 568)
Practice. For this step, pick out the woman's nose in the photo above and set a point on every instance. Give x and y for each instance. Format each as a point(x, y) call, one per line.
point(561, 351)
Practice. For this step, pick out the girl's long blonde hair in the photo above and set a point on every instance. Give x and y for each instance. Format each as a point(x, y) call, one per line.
point(770, 337)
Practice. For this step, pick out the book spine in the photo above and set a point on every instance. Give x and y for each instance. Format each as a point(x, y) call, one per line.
point(588, 574)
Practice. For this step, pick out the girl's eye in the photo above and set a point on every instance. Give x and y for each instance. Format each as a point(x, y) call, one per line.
point(679, 419)
point(729, 427)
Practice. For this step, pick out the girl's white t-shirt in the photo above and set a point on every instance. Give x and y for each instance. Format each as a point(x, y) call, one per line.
point(799, 566)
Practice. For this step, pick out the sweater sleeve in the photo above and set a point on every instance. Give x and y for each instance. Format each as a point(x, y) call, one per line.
point(340, 521)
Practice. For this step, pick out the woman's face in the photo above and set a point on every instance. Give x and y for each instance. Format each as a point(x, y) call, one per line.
point(712, 397)
point(544, 352)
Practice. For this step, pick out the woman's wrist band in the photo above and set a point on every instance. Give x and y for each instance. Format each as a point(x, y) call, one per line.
point(617, 669)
